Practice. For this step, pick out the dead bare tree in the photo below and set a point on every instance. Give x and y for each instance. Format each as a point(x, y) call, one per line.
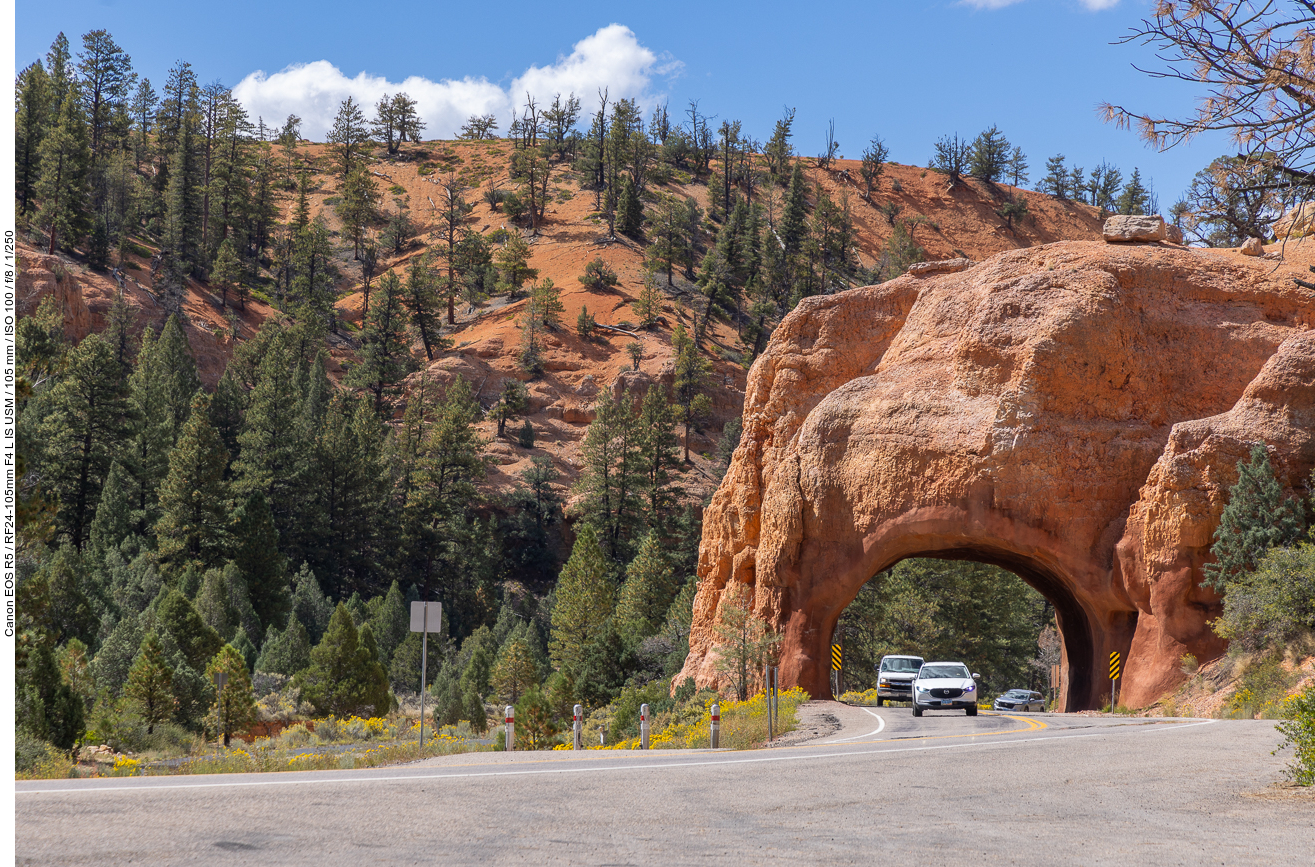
point(1256, 63)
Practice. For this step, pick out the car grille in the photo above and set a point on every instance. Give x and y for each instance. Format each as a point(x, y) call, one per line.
point(1004, 704)
point(945, 692)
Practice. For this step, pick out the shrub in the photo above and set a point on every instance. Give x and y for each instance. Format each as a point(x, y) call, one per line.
point(1298, 732)
point(525, 436)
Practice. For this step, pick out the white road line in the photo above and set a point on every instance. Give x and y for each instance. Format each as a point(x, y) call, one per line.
point(584, 770)
point(881, 724)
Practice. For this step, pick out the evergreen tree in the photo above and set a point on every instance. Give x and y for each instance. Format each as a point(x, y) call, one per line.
point(227, 272)
point(348, 136)
point(989, 157)
point(192, 636)
point(392, 623)
point(286, 652)
point(513, 262)
point(951, 156)
point(648, 592)
point(194, 519)
point(244, 646)
point(513, 401)
point(404, 670)
point(1056, 180)
point(235, 704)
point(612, 477)
point(584, 602)
point(548, 303)
point(385, 359)
point(629, 208)
point(598, 276)
point(57, 596)
point(89, 419)
point(1258, 517)
point(63, 186)
point(311, 289)
point(150, 684)
point(310, 606)
point(648, 306)
point(31, 123)
point(795, 212)
point(105, 73)
point(691, 377)
point(1135, 197)
point(1017, 167)
point(113, 663)
point(356, 206)
point(113, 521)
point(657, 445)
point(420, 299)
point(873, 164)
point(514, 671)
point(213, 605)
point(47, 706)
point(255, 552)
point(344, 677)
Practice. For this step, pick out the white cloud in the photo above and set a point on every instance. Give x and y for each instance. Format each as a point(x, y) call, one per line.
point(611, 58)
point(1098, 5)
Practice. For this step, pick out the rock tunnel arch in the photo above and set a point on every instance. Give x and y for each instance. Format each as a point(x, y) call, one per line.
point(1085, 682)
point(1072, 412)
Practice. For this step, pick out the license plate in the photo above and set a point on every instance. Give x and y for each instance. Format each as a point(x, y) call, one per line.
point(946, 701)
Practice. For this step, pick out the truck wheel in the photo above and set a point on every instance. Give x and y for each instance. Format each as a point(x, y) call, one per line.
point(881, 702)
point(972, 711)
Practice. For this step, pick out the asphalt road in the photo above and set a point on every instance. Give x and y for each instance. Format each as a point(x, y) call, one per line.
point(1027, 788)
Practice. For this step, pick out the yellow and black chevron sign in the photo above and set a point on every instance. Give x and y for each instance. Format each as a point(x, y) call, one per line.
point(1114, 665)
point(836, 657)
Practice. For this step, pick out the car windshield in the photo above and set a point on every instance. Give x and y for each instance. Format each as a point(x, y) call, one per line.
point(1018, 693)
point(900, 664)
point(933, 671)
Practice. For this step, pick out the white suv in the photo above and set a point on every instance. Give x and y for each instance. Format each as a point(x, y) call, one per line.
point(945, 686)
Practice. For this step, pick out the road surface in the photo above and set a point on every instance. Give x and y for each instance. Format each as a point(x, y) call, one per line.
point(1024, 788)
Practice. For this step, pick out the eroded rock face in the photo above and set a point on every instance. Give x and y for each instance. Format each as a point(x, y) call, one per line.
point(1073, 412)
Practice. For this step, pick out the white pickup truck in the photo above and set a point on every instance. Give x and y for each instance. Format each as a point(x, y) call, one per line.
point(895, 678)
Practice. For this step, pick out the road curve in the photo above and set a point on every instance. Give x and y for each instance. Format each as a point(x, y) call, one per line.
point(1034, 788)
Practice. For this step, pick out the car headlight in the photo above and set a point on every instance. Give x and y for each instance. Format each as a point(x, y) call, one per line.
point(922, 689)
point(970, 687)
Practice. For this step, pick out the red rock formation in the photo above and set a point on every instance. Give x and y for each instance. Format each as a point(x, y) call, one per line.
point(1038, 411)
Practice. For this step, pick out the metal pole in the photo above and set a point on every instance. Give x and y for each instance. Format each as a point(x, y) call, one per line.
point(643, 726)
point(576, 726)
point(424, 665)
point(716, 726)
point(776, 693)
point(511, 728)
point(767, 696)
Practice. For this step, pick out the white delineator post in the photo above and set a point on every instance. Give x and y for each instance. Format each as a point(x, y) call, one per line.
point(643, 726)
point(576, 725)
point(716, 726)
point(511, 728)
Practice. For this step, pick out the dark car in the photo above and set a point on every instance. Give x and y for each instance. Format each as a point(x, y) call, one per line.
point(1021, 699)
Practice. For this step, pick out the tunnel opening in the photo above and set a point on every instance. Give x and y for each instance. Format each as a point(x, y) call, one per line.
point(1019, 594)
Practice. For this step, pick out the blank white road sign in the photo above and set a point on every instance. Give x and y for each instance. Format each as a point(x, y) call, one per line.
point(418, 616)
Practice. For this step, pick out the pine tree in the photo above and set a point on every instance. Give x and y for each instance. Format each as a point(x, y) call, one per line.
point(598, 276)
point(194, 520)
point(513, 401)
point(31, 123)
point(244, 645)
point(310, 606)
point(795, 212)
point(227, 273)
point(657, 444)
point(648, 306)
point(105, 72)
point(1016, 168)
point(348, 136)
point(611, 477)
point(356, 207)
point(514, 671)
point(113, 663)
point(285, 652)
point(951, 156)
point(548, 303)
point(344, 677)
point(89, 419)
point(513, 262)
point(113, 521)
point(150, 684)
point(311, 289)
point(195, 640)
point(874, 164)
point(691, 376)
point(213, 605)
point(63, 186)
point(1056, 180)
point(648, 592)
point(420, 299)
point(989, 156)
point(256, 553)
point(584, 602)
point(46, 705)
point(235, 704)
point(1134, 197)
point(385, 360)
point(392, 623)
point(1258, 517)
point(629, 208)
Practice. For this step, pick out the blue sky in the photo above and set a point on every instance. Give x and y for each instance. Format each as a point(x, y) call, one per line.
point(909, 71)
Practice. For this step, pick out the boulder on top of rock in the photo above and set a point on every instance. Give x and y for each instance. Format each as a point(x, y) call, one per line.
point(1125, 228)
point(1173, 234)
point(944, 266)
point(1253, 247)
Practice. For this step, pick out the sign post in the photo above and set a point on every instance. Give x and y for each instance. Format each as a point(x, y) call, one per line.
point(714, 735)
point(510, 716)
point(1114, 678)
point(643, 726)
point(426, 617)
point(576, 727)
point(221, 678)
point(837, 660)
